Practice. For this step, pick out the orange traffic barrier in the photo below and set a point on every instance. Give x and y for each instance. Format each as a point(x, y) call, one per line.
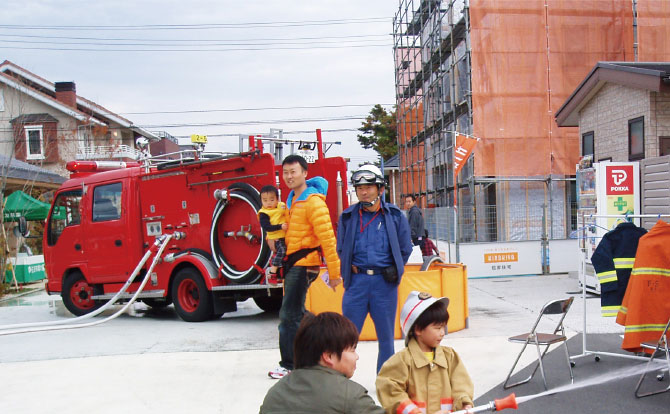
point(439, 280)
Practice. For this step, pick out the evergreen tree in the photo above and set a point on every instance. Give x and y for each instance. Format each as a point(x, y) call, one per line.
point(379, 132)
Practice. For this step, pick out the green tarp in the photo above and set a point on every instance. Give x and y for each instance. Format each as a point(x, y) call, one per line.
point(19, 204)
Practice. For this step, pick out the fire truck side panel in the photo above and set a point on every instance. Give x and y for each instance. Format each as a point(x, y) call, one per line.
point(181, 199)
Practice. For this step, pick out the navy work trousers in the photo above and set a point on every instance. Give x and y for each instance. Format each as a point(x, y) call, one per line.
point(372, 294)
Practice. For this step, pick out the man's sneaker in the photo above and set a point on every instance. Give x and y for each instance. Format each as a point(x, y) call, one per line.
point(279, 372)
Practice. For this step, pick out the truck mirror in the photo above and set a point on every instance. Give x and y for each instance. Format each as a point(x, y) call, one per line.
point(23, 226)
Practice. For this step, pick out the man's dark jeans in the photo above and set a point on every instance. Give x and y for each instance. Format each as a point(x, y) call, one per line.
point(291, 312)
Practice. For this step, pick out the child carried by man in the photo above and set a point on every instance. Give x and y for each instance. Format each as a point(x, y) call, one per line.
point(273, 220)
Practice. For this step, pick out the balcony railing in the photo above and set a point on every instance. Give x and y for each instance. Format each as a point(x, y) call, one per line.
point(108, 152)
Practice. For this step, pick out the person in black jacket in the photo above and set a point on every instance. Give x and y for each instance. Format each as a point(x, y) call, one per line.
point(415, 218)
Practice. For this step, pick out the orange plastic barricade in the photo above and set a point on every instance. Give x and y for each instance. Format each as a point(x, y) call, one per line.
point(448, 280)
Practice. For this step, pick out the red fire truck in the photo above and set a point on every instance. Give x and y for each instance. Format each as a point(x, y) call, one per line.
point(105, 217)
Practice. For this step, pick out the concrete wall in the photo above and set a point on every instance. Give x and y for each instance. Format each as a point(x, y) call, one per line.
point(607, 115)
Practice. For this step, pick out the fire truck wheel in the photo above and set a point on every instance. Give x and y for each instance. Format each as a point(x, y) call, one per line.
point(77, 295)
point(270, 303)
point(192, 300)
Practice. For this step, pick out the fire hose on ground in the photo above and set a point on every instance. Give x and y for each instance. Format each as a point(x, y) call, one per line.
point(158, 247)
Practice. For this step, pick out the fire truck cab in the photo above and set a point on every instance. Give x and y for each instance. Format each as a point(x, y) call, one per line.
point(106, 216)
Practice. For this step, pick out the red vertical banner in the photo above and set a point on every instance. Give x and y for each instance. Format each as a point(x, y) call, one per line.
point(462, 150)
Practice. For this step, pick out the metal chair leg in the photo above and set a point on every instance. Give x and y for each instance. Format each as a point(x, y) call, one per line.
point(567, 356)
point(638, 394)
point(540, 355)
point(511, 371)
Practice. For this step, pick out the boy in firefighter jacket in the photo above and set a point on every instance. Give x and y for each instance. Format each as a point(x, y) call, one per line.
point(272, 218)
point(425, 377)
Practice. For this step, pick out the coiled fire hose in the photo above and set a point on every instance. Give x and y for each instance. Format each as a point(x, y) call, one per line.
point(158, 247)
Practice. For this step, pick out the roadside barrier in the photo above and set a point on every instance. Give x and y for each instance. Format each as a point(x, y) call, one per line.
point(440, 279)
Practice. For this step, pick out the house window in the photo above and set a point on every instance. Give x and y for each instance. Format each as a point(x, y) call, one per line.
point(85, 139)
point(35, 142)
point(664, 144)
point(587, 143)
point(636, 139)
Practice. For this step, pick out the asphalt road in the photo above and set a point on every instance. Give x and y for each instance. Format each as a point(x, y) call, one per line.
point(247, 329)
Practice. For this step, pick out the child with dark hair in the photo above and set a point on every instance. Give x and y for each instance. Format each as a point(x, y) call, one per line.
point(324, 361)
point(425, 377)
point(273, 220)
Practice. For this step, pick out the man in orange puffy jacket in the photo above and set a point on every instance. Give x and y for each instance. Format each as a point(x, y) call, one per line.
point(309, 227)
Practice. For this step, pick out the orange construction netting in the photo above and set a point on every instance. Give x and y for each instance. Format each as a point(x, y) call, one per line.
point(653, 30)
point(527, 58)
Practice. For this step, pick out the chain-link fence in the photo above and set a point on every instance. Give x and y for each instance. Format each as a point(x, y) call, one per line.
point(492, 223)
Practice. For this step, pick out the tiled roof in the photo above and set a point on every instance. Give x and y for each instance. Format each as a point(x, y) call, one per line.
point(392, 163)
point(24, 171)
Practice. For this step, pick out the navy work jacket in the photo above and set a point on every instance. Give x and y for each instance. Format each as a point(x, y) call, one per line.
point(397, 229)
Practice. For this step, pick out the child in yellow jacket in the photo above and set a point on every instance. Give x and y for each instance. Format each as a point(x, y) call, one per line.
point(425, 377)
point(272, 218)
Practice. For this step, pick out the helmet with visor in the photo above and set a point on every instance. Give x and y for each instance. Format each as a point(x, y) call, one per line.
point(367, 174)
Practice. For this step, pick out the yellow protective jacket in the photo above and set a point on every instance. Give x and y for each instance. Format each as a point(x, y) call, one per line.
point(309, 226)
point(277, 215)
point(408, 380)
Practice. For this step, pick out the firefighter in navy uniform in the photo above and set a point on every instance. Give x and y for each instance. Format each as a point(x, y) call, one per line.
point(613, 261)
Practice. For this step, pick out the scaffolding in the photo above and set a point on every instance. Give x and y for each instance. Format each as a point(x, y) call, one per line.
point(498, 70)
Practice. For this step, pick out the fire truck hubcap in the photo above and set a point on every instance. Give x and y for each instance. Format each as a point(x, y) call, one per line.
point(189, 297)
point(81, 294)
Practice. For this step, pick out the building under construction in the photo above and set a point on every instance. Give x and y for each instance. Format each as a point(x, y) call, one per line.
point(498, 70)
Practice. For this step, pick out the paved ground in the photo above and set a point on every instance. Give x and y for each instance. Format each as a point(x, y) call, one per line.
point(151, 361)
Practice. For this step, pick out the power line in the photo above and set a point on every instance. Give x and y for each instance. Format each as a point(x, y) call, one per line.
point(309, 131)
point(250, 109)
point(273, 121)
point(193, 50)
point(190, 40)
point(349, 42)
point(225, 123)
point(200, 26)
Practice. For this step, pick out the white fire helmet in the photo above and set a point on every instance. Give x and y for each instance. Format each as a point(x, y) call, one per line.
point(367, 174)
point(416, 303)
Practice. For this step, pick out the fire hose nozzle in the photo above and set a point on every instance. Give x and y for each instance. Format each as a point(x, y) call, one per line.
point(221, 194)
point(495, 405)
point(507, 402)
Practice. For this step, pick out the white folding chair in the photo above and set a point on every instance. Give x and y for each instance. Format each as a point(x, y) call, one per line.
point(555, 307)
point(661, 345)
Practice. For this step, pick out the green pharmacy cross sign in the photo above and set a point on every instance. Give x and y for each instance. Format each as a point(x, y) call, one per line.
point(620, 204)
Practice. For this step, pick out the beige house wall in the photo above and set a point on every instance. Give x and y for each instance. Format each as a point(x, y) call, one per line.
point(660, 121)
point(17, 104)
point(607, 115)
